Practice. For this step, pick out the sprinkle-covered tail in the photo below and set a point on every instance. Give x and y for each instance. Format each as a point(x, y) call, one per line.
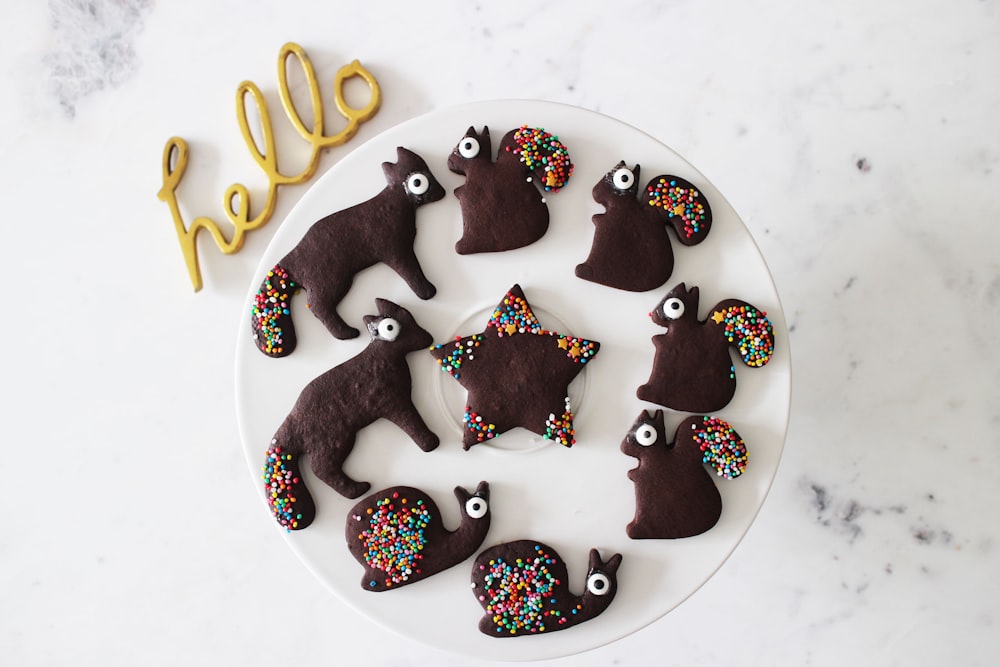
point(287, 497)
point(271, 318)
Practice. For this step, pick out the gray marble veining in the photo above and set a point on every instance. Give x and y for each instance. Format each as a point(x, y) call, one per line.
point(92, 46)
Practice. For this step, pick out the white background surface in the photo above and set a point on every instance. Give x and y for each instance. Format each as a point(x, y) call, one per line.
point(132, 534)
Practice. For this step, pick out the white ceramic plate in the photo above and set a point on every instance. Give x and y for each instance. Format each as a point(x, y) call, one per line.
point(573, 499)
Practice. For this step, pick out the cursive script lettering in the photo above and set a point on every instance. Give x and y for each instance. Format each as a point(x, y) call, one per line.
point(236, 200)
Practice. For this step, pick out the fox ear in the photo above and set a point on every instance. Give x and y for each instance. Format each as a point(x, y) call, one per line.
point(386, 307)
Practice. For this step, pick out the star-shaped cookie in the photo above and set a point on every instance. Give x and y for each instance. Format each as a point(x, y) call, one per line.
point(516, 374)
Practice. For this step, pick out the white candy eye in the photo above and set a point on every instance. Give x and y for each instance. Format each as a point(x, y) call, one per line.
point(476, 507)
point(673, 308)
point(418, 184)
point(388, 329)
point(645, 435)
point(598, 584)
point(623, 178)
point(468, 147)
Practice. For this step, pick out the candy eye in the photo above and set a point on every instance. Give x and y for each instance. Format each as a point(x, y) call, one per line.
point(645, 435)
point(388, 329)
point(623, 178)
point(468, 147)
point(673, 308)
point(476, 507)
point(418, 184)
point(598, 584)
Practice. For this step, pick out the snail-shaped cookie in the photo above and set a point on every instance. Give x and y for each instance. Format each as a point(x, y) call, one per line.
point(631, 249)
point(503, 202)
point(398, 535)
point(524, 588)
point(675, 495)
point(692, 369)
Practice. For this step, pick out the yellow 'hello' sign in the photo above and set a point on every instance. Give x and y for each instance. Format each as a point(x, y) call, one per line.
point(236, 201)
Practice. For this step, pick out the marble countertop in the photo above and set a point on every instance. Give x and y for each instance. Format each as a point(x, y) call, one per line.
point(859, 141)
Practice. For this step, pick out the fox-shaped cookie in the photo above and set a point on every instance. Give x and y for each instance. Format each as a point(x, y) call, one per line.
point(337, 247)
point(324, 423)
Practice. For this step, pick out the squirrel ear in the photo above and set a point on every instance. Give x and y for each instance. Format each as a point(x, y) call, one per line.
point(485, 146)
point(389, 169)
point(635, 172)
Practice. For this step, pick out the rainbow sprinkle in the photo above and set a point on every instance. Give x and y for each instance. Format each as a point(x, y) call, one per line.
point(722, 446)
point(680, 201)
point(395, 537)
point(539, 149)
point(271, 304)
point(474, 422)
point(561, 428)
point(280, 484)
point(514, 316)
point(519, 593)
point(462, 350)
point(750, 330)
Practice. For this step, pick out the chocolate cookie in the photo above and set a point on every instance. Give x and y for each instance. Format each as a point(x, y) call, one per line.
point(524, 588)
point(339, 246)
point(398, 536)
point(674, 492)
point(631, 249)
point(692, 369)
point(503, 206)
point(324, 423)
point(516, 374)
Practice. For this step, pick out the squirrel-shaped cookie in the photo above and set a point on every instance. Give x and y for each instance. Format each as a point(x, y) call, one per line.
point(692, 369)
point(631, 249)
point(337, 247)
point(326, 418)
point(398, 536)
point(674, 493)
point(524, 588)
point(502, 206)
